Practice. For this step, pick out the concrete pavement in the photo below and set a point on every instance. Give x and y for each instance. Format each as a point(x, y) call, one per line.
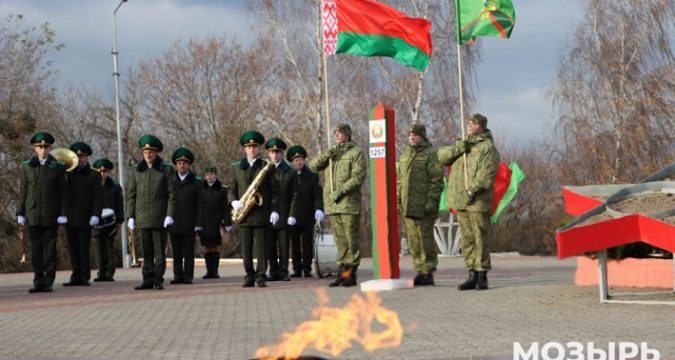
point(532, 299)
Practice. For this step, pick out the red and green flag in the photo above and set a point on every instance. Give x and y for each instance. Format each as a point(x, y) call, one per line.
point(484, 18)
point(371, 28)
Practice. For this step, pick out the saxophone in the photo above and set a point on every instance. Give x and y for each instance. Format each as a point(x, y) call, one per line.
point(251, 197)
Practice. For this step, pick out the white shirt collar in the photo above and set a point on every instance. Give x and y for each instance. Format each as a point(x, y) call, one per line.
point(182, 177)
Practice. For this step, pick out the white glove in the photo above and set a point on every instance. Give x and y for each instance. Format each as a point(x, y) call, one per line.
point(274, 217)
point(93, 221)
point(318, 215)
point(228, 228)
point(62, 220)
point(21, 220)
point(291, 221)
point(131, 224)
point(236, 204)
point(168, 221)
point(198, 228)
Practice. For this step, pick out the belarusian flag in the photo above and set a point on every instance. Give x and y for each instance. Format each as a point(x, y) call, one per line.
point(484, 18)
point(370, 28)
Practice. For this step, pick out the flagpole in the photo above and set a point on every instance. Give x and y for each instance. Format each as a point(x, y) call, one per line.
point(327, 106)
point(461, 92)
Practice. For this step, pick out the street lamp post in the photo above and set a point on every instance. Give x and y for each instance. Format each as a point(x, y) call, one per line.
point(126, 260)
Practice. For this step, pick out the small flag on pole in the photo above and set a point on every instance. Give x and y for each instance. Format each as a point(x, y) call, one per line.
point(484, 18)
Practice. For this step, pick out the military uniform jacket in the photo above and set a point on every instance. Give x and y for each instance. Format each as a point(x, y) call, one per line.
point(308, 197)
point(86, 196)
point(216, 209)
point(419, 182)
point(482, 160)
point(43, 193)
point(349, 173)
point(242, 174)
point(151, 196)
point(112, 199)
point(189, 203)
point(282, 182)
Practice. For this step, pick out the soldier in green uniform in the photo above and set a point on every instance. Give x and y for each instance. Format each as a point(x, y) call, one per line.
point(84, 208)
point(419, 183)
point(306, 209)
point(342, 199)
point(472, 196)
point(43, 199)
point(253, 227)
point(278, 236)
point(188, 216)
point(104, 234)
point(151, 200)
point(216, 211)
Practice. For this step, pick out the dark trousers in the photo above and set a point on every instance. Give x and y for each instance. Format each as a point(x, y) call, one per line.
point(153, 242)
point(79, 246)
point(183, 246)
point(43, 254)
point(302, 248)
point(277, 252)
point(105, 252)
point(251, 236)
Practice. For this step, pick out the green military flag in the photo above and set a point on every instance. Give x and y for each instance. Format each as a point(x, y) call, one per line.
point(484, 18)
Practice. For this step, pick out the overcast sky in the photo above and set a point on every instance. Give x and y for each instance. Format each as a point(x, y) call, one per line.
point(512, 79)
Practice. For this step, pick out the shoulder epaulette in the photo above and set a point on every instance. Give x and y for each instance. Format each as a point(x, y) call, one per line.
point(236, 163)
point(199, 178)
point(25, 162)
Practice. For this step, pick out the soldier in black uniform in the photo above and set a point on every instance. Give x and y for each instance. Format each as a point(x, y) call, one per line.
point(252, 228)
point(216, 211)
point(43, 199)
point(306, 209)
point(105, 233)
point(282, 182)
point(150, 205)
point(188, 217)
point(84, 209)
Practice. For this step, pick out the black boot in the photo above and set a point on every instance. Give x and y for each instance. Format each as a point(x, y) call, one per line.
point(215, 263)
point(418, 277)
point(338, 277)
point(207, 261)
point(470, 283)
point(482, 283)
point(351, 279)
point(427, 280)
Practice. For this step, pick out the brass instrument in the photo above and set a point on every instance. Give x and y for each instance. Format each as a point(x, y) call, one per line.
point(66, 156)
point(132, 248)
point(22, 240)
point(251, 197)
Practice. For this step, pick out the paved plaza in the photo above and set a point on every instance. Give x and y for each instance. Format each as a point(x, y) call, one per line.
point(532, 299)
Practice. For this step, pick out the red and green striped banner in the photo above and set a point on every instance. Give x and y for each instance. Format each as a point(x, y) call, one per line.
point(371, 28)
point(386, 243)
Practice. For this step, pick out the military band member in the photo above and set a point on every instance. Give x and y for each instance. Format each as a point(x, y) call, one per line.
point(306, 209)
point(253, 227)
point(188, 216)
point(84, 209)
point(216, 216)
point(342, 199)
point(472, 196)
point(419, 184)
point(43, 199)
point(151, 201)
point(282, 182)
point(105, 236)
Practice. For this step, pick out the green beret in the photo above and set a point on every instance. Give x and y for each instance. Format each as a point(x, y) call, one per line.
point(251, 137)
point(210, 169)
point(81, 148)
point(182, 154)
point(150, 142)
point(419, 129)
point(479, 119)
point(42, 138)
point(275, 144)
point(345, 129)
point(295, 151)
point(101, 164)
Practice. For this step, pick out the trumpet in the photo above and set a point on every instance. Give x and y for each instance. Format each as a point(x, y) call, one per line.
point(22, 241)
point(66, 156)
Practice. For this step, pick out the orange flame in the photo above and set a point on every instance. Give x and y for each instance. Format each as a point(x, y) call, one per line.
point(337, 328)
